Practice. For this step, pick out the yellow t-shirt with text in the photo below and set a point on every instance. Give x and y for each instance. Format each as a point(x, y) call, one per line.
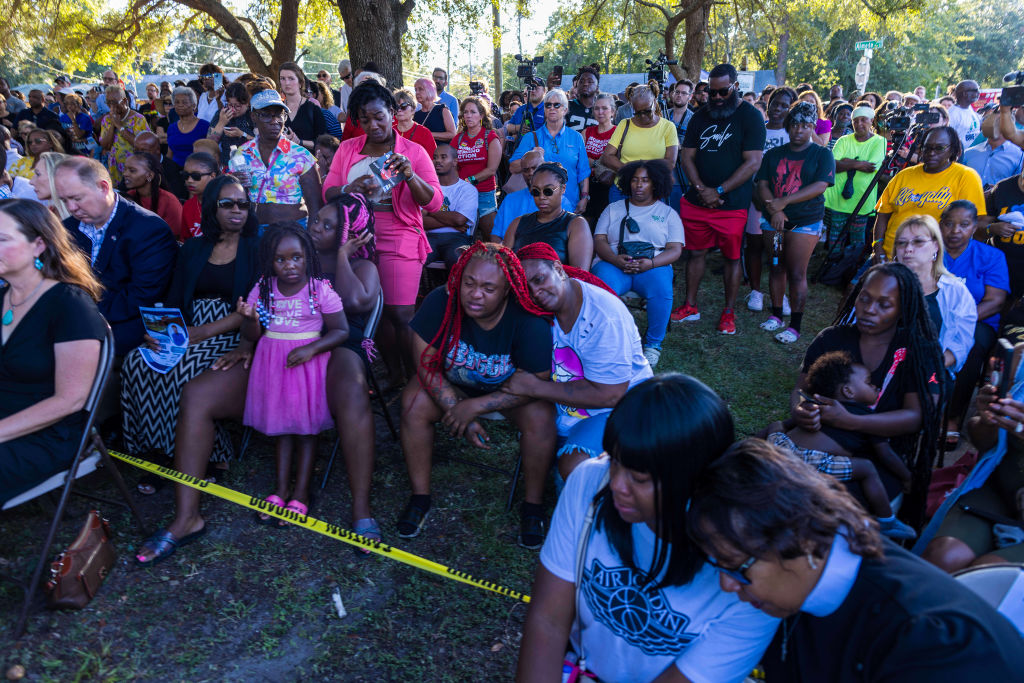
point(912, 191)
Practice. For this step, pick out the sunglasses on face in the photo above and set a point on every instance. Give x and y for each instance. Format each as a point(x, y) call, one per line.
point(346, 77)
point(552, 105)
point(405, 105)
point(721, 92)
point(934, 149)
point(644, 112)
point(232, 203)
point(548, 191)
point(738, 574)
point(195, 176)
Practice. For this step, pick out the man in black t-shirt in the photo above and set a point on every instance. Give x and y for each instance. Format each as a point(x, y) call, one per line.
point(721, 152)
point(581, 109)
point(496, 336)
point(1007, 197)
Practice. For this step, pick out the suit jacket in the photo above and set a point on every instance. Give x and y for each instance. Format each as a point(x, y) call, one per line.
point(194, 255)
point(904, 620)
point(174, 180)
point(134, 265)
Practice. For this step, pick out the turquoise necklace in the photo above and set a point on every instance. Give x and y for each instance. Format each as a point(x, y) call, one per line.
point(9, 315)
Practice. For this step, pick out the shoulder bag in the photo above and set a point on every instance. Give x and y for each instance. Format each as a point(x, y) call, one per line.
point(79, 571)
point(634, 250)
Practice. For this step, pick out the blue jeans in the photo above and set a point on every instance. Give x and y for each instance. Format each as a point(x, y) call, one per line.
point(655, 285)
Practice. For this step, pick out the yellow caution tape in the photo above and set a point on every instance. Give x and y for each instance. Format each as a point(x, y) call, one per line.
point(319, 526)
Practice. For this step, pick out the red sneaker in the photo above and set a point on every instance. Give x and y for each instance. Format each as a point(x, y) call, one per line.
point(727, 323)
point(686, 312)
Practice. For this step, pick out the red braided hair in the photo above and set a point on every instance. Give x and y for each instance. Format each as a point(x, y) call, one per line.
point(545, 252)
point(447, 337)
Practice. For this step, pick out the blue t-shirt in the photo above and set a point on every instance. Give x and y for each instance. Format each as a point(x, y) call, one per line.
point(537, 116)
point(979, 266)
point(567, 148)
point(517, 204)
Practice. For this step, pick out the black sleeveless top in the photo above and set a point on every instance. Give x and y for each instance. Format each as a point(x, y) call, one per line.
point(555, 233)
point(433, 120)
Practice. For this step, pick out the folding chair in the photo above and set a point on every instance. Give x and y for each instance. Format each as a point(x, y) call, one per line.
point(91, 451)
point(369, 332)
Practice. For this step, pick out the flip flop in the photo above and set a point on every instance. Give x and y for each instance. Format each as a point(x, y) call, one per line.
point(163, 544)
point(267, 520)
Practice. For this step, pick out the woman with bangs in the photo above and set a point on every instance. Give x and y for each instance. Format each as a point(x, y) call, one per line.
point(622, 593)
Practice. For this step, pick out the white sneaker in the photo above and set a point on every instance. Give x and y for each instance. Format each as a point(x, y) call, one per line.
point(786, 310)
point(652, 355)
point(755, 300)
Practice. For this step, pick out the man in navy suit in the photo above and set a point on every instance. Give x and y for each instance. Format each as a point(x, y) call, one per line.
point(132, 250)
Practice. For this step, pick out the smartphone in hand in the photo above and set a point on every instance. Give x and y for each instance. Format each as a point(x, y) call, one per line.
point(1001, 363)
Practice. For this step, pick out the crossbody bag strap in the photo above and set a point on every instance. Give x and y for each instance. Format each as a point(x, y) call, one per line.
point(581, 556)
point(622, 225)
point(622, 141)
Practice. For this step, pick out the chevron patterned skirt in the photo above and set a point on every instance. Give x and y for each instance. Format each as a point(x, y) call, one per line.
point(149, 400)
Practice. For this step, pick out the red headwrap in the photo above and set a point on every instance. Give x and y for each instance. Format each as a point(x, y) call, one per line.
point(545, 252)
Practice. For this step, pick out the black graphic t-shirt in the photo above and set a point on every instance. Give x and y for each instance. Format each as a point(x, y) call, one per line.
point(787, 172)
point(484, 359)
point(720, 144)
point(1007, 197)
point(580, 117)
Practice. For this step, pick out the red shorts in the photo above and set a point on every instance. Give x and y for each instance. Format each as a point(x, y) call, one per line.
point(706, 228)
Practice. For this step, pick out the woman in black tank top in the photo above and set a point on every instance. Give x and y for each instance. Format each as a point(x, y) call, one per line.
point(566, 232)
point(433, 115)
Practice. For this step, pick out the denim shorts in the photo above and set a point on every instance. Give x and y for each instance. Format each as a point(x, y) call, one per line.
point(488, 204)
point(811, 229)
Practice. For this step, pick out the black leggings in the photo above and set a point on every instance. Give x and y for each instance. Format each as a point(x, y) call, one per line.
point(967, 378)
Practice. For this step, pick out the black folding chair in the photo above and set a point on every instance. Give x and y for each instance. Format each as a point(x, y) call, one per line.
point(369, 332)
point(91, 452)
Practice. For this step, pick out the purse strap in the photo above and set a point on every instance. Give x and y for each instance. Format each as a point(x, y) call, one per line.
point(622, 141)
point(622, 225)
point(581, 556)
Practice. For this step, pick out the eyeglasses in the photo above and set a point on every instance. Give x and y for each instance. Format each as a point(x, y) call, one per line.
point(721, 92)
point(932, 149)
point(548, 191)
point(552, 105)
point(738, 574)
point(917, 243)
point(195, 176)
point(232, 203)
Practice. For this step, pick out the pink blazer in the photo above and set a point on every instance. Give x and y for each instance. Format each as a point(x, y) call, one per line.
point(407, 211)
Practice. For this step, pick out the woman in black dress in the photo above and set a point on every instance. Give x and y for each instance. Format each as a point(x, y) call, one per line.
point(50, 340)
point(212, 272)
point(306, 122)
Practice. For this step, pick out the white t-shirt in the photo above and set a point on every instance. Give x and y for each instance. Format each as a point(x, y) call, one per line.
point(966, 123)
point(602, 346)
point(207, 108)
point(775, 138)
point(462, 198)
point(659, 224)
point(632, 632)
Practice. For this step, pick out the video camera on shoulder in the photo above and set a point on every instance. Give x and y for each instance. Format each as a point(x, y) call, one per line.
point(527, 70)
point(657, 69)
point(925, 117)
point(476, 87)
point(1013, 96)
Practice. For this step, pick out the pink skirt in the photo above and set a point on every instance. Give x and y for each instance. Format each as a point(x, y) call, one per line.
point(401, 252)
point(282, 400)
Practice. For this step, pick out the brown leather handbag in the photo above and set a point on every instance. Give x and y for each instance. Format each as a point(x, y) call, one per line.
point(79, 572)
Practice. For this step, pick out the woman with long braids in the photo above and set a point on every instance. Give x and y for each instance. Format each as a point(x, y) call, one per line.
point(596, 356)
point(343, 235)
point(143, 175)
point(469, 337)
point(893, 337)
point(402, 245)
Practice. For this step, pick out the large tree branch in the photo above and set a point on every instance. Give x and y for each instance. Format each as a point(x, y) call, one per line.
point(237, 33)
point(256, 33)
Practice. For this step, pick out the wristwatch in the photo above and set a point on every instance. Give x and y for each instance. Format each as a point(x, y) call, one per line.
point(720, 189)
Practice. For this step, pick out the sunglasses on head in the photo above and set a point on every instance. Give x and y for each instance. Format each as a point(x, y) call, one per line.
point(232, 203)
point(195, 176)
point(548, 191)
point(721, 92)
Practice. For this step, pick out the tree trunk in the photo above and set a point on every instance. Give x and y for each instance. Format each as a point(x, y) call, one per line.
point(287, 35)
point(374, 29)
point(693, 50)
point(782, 54)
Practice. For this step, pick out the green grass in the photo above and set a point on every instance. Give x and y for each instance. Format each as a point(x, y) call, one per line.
point(254, 603)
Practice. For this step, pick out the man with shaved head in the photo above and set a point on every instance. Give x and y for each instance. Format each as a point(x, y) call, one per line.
point(174, 178)
point(962, 117)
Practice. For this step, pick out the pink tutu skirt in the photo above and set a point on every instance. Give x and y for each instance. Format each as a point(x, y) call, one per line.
point(282, 400)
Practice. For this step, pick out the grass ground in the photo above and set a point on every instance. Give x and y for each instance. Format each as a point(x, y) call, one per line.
point(253, 603)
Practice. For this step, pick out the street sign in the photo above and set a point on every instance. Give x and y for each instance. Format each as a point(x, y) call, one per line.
point(868, 45)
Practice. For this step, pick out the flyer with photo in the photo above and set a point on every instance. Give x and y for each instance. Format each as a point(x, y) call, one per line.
point(167, 327)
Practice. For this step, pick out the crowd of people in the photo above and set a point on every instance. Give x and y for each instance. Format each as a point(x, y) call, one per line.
point(281, 217)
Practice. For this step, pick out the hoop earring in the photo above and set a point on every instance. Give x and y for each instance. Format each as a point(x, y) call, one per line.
point(810, 561)
point(38, 264)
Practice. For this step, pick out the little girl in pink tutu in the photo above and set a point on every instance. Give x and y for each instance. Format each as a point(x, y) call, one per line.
point(295, 317)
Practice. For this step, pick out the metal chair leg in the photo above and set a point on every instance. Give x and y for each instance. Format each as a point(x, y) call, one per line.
point(514, 483)
point(115, 474)
point(330, 463)
point(383, 405)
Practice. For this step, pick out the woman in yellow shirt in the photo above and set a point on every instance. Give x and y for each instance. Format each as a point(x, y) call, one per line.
point(645, 136)
point(926, 188)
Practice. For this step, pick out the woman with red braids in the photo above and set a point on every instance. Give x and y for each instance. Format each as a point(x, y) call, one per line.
point(470, 336)
point(597, 355)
